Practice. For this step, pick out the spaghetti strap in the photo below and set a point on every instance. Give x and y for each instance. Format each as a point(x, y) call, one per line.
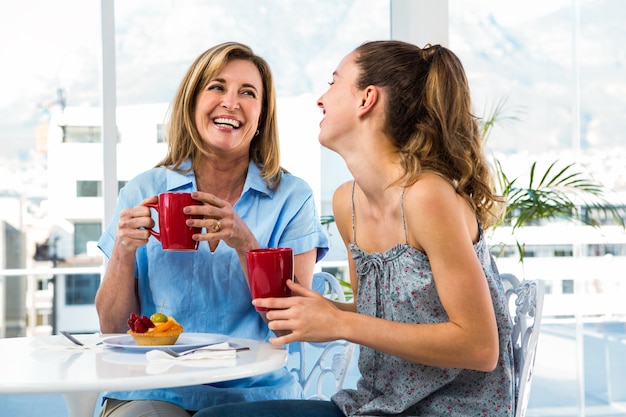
point(406, 239)
point(353, 226)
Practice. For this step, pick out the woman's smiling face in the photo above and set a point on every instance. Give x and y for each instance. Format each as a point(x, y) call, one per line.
point(340, 103)
point(228, 109)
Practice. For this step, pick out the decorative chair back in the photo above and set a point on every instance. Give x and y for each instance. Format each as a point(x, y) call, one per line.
point(525, 300)
point(331, 360)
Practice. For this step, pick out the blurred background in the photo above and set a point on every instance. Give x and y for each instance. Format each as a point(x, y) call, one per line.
point(86, 86)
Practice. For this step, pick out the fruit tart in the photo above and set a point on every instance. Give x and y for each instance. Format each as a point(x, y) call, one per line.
point(156, 330)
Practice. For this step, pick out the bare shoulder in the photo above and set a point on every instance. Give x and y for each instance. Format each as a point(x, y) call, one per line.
point(342, 207)
point(434, 208)
point(342, 196)
point(430, 190)
point(346, 187)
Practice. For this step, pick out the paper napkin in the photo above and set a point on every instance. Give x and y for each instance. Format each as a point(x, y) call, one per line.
point(218, 355)
point(61, 343)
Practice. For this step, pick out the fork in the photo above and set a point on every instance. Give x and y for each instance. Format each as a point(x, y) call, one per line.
point(74, 340)
point(71, 338)
point(171, 353)
point(187, 352)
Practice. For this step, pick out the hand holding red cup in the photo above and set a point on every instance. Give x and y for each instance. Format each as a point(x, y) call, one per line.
point(174, 234)
point(268, 272)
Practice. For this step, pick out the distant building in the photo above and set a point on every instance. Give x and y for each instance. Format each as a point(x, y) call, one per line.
point(75, 200)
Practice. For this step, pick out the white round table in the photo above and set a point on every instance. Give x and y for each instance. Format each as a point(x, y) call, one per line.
point(29, 366)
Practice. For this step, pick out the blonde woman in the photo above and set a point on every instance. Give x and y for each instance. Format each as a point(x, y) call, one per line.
point(223, 148)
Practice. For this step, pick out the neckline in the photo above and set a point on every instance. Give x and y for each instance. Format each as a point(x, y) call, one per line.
point(390, 253)
point(354, 241)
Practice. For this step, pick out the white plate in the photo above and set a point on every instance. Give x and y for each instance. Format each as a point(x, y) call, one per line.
point(185, 341)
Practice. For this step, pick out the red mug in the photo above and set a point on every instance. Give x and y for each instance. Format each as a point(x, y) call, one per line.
point(174, 234)
point(268, 272)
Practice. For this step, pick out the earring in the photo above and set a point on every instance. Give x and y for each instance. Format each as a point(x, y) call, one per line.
point(257, 133)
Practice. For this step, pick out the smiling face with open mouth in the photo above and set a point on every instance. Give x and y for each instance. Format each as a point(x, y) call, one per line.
point(228, 109)
point(339, 105)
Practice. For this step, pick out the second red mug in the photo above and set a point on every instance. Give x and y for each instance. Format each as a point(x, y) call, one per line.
point(268, 272)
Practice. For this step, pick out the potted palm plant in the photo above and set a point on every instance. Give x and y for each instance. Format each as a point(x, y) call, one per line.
point(559, 192)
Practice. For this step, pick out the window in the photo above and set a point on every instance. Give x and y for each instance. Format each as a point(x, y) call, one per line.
point(601, 216)
point(93, 188)
point(606, 249)
point(563, 250)
point(161, 133)
point(83, 234)
point(88, 188)
point(81, 134)
point(567, 286)
point(80, 289)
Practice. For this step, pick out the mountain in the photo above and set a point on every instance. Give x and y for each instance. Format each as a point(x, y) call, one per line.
point(156, 41)
point(530, 66)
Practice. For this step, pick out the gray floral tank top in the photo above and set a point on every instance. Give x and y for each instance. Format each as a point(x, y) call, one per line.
point(398, 285)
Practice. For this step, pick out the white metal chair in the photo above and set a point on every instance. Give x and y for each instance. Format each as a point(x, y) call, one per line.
point(526, 305)
point(328, 373)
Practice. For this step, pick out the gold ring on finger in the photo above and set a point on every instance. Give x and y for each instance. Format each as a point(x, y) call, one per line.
point(217, 226)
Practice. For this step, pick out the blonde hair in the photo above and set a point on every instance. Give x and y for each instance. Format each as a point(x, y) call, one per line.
point(429, 117)
point(183, 139)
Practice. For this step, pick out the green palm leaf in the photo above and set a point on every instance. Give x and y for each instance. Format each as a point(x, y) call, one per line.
point(556, 193)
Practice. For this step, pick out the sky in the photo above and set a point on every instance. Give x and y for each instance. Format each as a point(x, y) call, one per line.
point(51, 45)
point(517, 52)
point(39, 52)
point(510, 15)
point(37, 45)
point(46, 45)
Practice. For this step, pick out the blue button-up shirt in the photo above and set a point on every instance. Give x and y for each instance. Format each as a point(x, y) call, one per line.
point(207, 292)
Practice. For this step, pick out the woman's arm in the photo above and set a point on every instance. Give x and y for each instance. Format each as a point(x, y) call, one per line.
point(117, 295)
point(303, 266)
point(342, 210)
point(441, 224)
